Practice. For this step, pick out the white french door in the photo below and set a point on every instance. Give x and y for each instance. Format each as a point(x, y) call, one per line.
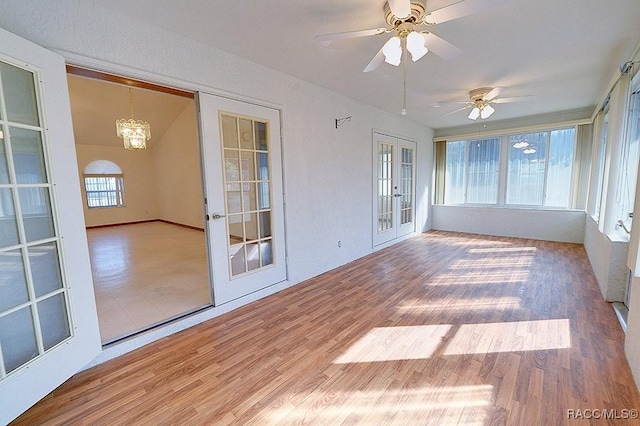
point(48, 321)
point(393, 188)
point(244, 196)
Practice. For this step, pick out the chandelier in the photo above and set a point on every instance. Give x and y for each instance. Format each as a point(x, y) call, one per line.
point(135, 133)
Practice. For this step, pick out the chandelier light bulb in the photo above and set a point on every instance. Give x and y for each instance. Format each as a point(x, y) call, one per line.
point(416, 46)
point(392, 51)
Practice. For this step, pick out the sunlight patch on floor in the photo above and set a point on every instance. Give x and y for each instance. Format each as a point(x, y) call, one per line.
point(451, 405)
point(480, 304)
point(510, 262)
point(510, 337)
point(494, 250)
point(395, 343)
point(473, 278)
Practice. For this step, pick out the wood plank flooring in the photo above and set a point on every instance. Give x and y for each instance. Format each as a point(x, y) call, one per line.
point(441, 329)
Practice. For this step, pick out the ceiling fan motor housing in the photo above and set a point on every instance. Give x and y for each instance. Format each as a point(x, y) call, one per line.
point(418, 8)
point(478, 94)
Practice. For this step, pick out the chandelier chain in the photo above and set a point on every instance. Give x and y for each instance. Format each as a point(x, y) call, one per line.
point(131, 102)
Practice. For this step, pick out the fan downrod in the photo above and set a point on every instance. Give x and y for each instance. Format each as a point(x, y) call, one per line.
point(418, 9)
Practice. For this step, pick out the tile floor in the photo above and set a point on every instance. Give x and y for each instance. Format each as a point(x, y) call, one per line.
point(146, 273)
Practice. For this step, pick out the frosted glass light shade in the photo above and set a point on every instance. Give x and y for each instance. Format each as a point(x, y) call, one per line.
point(416, 46)
point(487, 111)
point(392, 51)
point(475, 113)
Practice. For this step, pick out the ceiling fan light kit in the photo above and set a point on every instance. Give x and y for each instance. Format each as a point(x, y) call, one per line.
point(405, 18)
point(481, 100)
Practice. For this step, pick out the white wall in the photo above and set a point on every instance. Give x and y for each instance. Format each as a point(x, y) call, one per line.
point(139, 184)
point(608, 259)
point(178, 183)
point(632, 339)
point(328, 171)
point(549, 225)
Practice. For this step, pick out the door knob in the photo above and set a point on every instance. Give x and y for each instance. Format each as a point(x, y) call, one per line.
point(217, 216)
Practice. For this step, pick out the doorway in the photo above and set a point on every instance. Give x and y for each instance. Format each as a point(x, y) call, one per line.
point(393, 188)
point(144, 209)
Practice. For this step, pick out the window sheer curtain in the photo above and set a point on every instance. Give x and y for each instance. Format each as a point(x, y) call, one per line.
point(581, 167)
point(440, 171)
point(597, 166)
point(610, 209)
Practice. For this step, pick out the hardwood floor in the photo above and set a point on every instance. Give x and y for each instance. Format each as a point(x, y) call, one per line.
point(441, 329)
point(146, 273)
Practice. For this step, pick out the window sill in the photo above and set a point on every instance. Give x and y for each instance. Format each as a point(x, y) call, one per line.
point(510, 207)
point(620, 236)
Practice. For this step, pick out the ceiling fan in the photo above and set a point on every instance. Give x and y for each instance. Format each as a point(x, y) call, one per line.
point(406, 19)
point(480, 101)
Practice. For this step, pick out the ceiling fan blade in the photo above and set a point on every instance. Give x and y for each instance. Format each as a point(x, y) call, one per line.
point(400, 8)
point(458, 110)
point(514, 99)
point(493, 93)
point(462, 8)
point(375, 62)
point(441, 47)
point(449, 103)
point(326, 39)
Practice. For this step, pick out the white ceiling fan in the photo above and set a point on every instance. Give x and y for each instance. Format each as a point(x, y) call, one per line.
point(406, 19)
point(480, 101)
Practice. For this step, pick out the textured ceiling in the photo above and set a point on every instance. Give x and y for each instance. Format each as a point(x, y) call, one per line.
point(562, 52)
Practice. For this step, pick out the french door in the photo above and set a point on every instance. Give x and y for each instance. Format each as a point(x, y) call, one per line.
point(244, 196)
point(393, 188)
point(48, 321)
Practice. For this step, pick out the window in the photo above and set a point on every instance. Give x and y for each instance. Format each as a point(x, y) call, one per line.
point(472, 171)
point(535, 169)
point(104, 190)
point(630, 159)
point(103, 184)
point(540, 168)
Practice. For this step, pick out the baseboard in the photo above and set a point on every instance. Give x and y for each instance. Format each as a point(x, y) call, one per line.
point(137, 222)
point(181, 224)
point(108, 225)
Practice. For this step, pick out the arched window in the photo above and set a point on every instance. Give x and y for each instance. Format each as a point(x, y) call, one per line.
point(103, 184)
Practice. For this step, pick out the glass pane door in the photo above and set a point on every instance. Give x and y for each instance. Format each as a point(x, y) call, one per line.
point(34, 312)
point(48, 321)
point(406, 186)
point(243, 180)
point(386, 186)
point(394, 188)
